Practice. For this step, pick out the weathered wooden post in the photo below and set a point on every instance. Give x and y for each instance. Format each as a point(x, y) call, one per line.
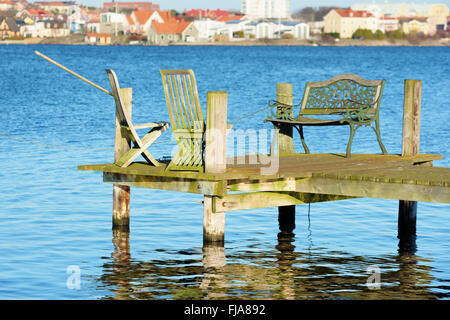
point(215, 162)
point(407, 212)
point(286, 214)
point(285, 140)
point(121, 194)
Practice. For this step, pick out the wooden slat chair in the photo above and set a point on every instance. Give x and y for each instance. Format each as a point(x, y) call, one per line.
point(140, 145)
point(354, 100)
point(186, 118)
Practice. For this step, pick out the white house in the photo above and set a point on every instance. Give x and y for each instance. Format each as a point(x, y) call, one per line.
point(208, 28)
point(264, 30)
point(233, 26)
point(27, 30)
point(110, 22)
point(274, 30)
point(298, 29)
point(50, 28)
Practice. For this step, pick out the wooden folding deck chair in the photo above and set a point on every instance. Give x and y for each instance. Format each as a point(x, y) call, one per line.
point(140, 145)
point(186, 118)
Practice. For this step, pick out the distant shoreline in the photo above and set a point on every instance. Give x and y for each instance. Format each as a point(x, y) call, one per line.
point(259, 43)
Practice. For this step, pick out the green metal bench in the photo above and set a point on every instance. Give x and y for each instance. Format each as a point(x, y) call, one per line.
point(354, 100)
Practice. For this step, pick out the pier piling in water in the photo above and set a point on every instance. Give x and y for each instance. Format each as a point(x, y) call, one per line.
point(286, 214)
point(121, 193)
point(285, 133)
point(215, 162)
point(407, 213)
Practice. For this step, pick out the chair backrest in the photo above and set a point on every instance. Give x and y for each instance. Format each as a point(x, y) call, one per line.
point(180, 90)
point(336, 95)
point(115, 89)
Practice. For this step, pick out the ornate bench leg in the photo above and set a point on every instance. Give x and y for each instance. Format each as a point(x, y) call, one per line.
point(377, 131)
point(350, 139)
point(302, 138)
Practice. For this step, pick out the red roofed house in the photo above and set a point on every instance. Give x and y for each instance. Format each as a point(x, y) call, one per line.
point(34, 14)
point(182, 31)
point(7, 5)
point(141, 20)
point(167, 16)
point(93, 25)
point(346, 21)
point(230, 18)
point(130, 26)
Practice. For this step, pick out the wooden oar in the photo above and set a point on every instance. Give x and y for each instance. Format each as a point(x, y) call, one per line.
point(72, 73)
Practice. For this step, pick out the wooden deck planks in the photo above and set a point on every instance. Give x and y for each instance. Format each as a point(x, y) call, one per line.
point(362, 175)
point(433, 176)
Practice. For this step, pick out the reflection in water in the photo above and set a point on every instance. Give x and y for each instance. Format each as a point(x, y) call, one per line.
point(215, 272)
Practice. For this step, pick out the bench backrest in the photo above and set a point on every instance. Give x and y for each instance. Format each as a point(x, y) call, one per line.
point(339, 94)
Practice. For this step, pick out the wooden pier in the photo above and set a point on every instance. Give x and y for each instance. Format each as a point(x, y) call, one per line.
point(238, 183)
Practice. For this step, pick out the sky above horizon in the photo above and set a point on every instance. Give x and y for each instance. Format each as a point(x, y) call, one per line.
point(180, 5)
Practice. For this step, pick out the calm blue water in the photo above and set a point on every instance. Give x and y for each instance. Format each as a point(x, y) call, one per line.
point(53, 216)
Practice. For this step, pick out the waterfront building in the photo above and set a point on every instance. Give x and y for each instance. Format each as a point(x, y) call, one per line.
point(50, 28)
point(58, 7)
point(208, 28)
point(142, 5)
point(98, 38)
point(346, 21)
point(262, 9)
point(8, 28)
point(172, 31)
point(141, 20)
point(111, 22)
point(416, 25)
point(437, 18)
point(388, 24)
point(93, 25)
point(7, 5)
point(277, 30)
point(402, 9)
point(436, 14)
point(231, 18)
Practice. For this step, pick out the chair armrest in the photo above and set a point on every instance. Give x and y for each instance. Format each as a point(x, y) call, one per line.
point(150, 125)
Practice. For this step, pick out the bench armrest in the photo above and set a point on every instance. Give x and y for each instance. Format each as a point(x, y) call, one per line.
point(280, 110)
point(358, 115)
